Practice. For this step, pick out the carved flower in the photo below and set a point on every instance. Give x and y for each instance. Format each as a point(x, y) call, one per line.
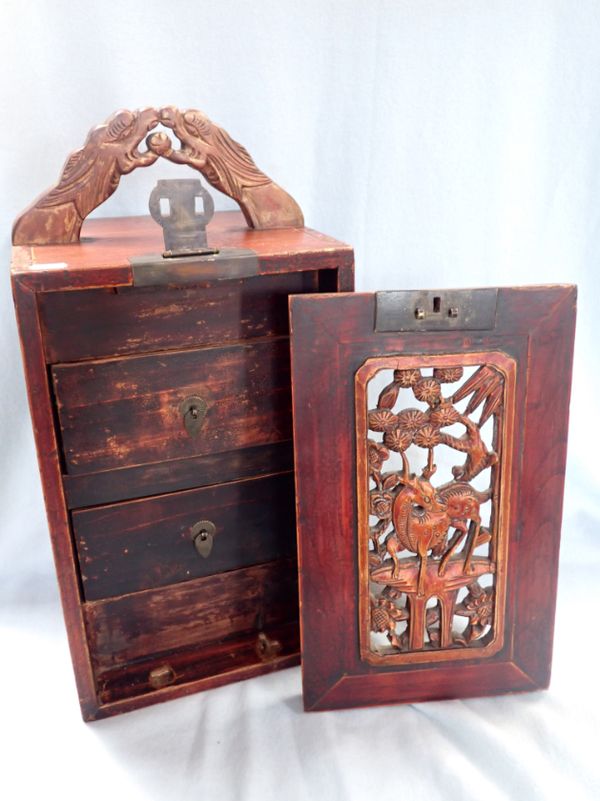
point(444, 415)
point(407, 378)
point(411, 419)
point(397, 440)
point(377, 454)
point(385, 614)
point(381, 504)
point(427, 437)
point(448, 375)
point(428, 390)
point(478, 606)
point(382, 420)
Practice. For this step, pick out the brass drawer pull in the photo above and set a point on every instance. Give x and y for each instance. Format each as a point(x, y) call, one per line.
point(266, 648)
point(161, 677)
point(193, 410)
point(203, 535)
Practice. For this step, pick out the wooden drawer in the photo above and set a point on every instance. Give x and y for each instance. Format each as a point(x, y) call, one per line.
point(191, 615)
point(101, 322)
point(133, 546)
point(193, 669)
point(159, 478)
point(119, 412)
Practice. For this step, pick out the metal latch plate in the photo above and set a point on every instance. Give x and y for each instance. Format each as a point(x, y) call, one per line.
point(436, 310)
point(227, 263)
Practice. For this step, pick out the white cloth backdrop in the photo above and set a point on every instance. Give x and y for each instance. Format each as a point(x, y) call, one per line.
point(453, 143)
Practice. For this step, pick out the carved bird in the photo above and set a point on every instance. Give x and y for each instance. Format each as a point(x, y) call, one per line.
point(229, 168)
point(90, 175)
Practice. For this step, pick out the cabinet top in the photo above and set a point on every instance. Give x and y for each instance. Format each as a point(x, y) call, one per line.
point(102, 257)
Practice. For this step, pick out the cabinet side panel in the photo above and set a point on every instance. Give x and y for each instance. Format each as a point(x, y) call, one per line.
point(40, 406)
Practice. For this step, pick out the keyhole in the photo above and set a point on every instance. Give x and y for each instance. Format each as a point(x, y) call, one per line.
point(194, 412)
point(203, 537)
point(437, 304)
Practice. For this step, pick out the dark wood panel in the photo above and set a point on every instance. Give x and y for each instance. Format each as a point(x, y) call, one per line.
point(63, 548)
point(100, 322)
point(192, 614)
point(127, 547)
point(128, 483)
point(197, 668)
point(122, 412)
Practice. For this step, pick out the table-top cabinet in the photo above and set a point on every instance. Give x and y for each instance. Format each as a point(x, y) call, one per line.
point(161, 408)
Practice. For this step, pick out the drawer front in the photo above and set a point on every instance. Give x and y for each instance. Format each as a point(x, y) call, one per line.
point(158, 478)
point(120, 412)
point(203, 667)
point(133, 546)
point(97, 322)
point(191, 615)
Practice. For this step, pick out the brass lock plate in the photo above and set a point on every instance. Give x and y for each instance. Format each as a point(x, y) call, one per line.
point(193, 411)
point(203, 536)
point(436, 310)
point(183, 224)
point(188, 258)
point(224, 265)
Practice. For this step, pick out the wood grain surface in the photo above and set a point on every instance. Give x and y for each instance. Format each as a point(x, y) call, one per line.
point(97, 323)
point(110, 486)
point(193, 669)
point(101, 258)
point(332, 337)
point(137, 545)
point(120, 412)
point(191, 614)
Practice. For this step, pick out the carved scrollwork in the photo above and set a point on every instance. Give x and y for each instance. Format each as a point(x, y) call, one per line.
point(92, 173)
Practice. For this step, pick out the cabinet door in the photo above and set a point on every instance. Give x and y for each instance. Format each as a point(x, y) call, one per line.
point(430, 437)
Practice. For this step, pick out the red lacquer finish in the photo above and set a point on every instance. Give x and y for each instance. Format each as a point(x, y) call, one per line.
point(132, 484)
point(333, 338)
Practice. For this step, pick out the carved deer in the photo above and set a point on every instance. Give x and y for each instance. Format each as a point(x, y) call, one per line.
point(462, 502)
point(422, 517)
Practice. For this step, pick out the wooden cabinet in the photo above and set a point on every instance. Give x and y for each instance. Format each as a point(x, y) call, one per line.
point(109, 365)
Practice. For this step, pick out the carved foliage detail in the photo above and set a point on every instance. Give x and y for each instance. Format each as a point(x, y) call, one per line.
point(432, 550)
point(92, 173)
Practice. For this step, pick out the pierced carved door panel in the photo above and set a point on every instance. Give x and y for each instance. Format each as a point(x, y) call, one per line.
point(434, 446)
point(430, 438)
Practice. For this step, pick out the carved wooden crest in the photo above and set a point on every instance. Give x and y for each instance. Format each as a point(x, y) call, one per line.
point(92, 173)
